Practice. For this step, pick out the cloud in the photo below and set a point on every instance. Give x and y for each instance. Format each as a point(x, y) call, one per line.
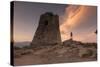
point(69, 20)
point(77, 18)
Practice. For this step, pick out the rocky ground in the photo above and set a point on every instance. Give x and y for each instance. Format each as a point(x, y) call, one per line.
point(69, 51)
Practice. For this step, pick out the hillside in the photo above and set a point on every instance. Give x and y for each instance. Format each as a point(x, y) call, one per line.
point(69, 51)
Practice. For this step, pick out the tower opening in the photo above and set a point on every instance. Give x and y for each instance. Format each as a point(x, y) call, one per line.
point(46, 22)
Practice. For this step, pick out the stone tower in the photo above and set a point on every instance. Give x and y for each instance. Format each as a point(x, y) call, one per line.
point(48, 32)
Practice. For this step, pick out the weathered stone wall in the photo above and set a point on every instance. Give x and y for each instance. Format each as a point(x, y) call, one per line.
point(48, 32)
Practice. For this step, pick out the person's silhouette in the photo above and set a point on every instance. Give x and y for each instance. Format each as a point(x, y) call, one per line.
point(71, 35)
point(95, 32)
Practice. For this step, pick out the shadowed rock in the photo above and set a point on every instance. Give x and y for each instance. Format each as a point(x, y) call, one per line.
point(48, 32)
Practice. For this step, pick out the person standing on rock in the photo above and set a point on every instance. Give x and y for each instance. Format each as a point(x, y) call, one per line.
point(71, 35)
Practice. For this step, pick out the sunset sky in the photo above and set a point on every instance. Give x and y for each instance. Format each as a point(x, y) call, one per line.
point(81, 20)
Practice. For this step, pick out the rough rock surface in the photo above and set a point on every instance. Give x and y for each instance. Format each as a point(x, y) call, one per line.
point(48, 32)
point(75, 52)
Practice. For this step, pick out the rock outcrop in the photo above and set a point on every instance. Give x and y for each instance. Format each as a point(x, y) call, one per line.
point(48, 32)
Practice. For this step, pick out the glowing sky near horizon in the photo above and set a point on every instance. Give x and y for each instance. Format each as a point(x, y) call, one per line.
point(81, 20)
